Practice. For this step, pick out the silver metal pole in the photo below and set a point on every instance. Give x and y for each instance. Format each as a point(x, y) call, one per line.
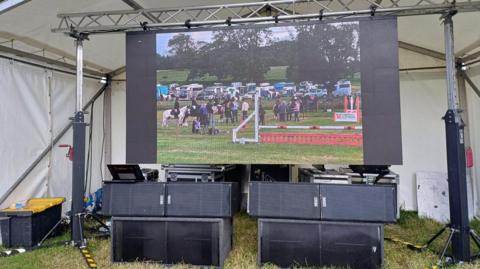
point(79, 89)
point(257, 116)
point(456, 166)
point(450, 64)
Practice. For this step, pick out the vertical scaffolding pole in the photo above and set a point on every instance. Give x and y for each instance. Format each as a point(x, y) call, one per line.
point(457, 181)
point(257, 115)
point(78, 166)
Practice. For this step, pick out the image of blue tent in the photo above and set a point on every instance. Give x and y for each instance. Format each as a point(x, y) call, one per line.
point(161, 90)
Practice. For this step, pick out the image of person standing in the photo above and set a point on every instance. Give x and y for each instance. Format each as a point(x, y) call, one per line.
point(245, 108)
point(211, 117)
point(261, 114)
point(275, 108)
point(282, 111)
point(228, 111)
point(296, 109)
point(234, 104)
point(176, 108)
point(203, 111)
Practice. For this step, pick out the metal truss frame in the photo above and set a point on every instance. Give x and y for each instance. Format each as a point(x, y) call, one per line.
point(265, 11)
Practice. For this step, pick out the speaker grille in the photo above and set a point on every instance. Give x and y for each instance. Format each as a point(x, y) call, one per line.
point(367, 203)
point(291, 243)
point(284, 200)
point(203, 242)
point(201, 199)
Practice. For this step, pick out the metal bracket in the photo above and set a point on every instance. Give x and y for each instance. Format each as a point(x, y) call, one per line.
point(187, 23)
point(144, 25)
point(79, 36)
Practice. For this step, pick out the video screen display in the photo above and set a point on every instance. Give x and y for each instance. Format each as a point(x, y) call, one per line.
point(281, 94)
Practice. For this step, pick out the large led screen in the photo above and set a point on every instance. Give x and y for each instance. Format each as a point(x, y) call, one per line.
point(280, 94)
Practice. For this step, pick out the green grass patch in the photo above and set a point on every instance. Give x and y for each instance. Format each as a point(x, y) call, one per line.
point(179, 145)
point(172, 76)
point(276, 73)
point(244, 249)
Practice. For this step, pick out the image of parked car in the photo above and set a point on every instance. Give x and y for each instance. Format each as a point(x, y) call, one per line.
point(343, 88)
point(316, 92)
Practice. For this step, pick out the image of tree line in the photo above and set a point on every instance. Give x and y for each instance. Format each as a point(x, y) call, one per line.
point(322, 53)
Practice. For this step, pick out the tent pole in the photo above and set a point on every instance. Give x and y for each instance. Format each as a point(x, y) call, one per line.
point(470, 82)
point(78, 165)
point(457, 181)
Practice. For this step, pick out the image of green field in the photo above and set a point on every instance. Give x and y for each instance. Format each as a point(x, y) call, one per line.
point(276, 73)
point(179, 145)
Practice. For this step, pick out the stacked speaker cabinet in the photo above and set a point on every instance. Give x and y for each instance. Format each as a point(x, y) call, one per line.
point(171, 222)
point(284, 200)
point(172, 199)
point(202, 200)
point(134, 199)
point(289, 243)
point(307, 224)
point(197, 241)
point(335, 202)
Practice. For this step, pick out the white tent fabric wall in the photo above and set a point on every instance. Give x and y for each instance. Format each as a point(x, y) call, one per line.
point(474, 127)
point(118, 124)
point(423, 102)
point(35, 100)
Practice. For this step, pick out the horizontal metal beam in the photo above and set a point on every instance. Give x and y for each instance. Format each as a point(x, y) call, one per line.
point(422, 50)
point(135, 20)
point(136, 6)
point(117, 71)
point(470, 57)
point(42, 59)
point(8, 5)
point(55, 52)
point(423, 68)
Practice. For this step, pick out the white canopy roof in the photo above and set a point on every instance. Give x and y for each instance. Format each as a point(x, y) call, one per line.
point(30, 24)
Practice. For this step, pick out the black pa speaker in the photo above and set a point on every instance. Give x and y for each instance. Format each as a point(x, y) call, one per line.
point(284, 200)
point(134, 199)
point(358, 202)
point(201, 242)
point(218, 199)
point(179, 199)
point(334, 202)
point(294, 243)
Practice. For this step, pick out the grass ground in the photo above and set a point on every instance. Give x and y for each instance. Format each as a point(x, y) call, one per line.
point(180, 145)
point(243, 254)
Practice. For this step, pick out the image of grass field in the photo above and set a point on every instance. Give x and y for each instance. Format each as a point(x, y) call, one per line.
point(179, 145)
point(275, 73)
point(243, 255)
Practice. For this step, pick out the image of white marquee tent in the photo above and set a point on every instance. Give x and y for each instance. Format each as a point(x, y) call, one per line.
point(37, 82)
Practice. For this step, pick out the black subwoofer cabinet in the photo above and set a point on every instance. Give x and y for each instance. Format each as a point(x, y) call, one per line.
point(195, 241)
point(178, 199)
point(289, 243)
point(335, 202)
